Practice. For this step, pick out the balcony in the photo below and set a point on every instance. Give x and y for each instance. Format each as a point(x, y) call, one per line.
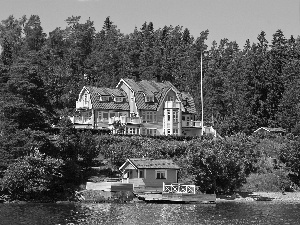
point(125, 120)
point(172, 105)
point(81, 120)
point(82, 104)
point(191, 124)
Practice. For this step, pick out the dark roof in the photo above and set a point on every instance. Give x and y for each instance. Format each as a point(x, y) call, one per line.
point(158, 90)
point(145, 163)
point(190, 106)
point(106, 91)
point(96, 92)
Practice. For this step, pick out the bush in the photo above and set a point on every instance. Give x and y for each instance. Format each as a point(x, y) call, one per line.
point(272, 182)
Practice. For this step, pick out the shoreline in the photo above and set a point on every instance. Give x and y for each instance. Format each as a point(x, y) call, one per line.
point(260, 196)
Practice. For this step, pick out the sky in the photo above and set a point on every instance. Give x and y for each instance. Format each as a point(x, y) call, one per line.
point(237, 20)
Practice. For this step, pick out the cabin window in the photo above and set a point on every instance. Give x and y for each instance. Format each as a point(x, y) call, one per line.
point(141, 174)
point(112, 114)
point(99, 116)
point(161, 174)
point(105, 116)
point(188, 120)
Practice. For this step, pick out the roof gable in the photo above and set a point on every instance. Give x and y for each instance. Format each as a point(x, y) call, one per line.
point(270, 129)
point(96, 92)
point(146, 163)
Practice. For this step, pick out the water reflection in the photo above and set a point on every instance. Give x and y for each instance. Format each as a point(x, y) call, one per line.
point(140, 213)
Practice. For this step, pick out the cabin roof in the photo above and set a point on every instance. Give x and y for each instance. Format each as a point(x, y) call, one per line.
point(146, 163)
point(269, 129)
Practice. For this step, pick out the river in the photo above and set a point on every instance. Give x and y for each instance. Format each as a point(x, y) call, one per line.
point(142, 213)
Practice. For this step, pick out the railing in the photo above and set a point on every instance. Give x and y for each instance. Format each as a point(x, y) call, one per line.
point(179, 188)
point(82, 104)
point(125, 119)
point(191, 123)
point(172, 105)
point(82, 120)
point(125, 180)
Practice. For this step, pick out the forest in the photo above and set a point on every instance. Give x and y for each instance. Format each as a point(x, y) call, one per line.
point(245, 87)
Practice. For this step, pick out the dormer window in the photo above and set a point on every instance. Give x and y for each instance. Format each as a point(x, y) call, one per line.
point(104, 98)
point(118, 99)
point(171, 98)
point(184, 102)
point(85, 98)
point(149, 99)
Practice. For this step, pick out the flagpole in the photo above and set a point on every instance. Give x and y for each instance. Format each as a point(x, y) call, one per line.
point(201, 100)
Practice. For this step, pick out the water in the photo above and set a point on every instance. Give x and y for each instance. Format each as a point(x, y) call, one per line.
point(141, 213)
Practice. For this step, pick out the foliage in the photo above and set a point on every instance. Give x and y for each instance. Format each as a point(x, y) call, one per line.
point(16, 143)
point(32, 176)
point(290, 155)
point(244, 88)
point(272, 181)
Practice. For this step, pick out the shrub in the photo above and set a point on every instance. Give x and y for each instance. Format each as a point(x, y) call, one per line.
point(272, 182)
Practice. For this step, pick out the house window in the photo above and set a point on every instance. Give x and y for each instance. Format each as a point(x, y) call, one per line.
point(175, 131)
point(118, 99)
point(149, 116)
point(149, 99)
point(151, 132)
point(160, 174)
point(85, 97)
point(131, 130)
point(183, 117)
point(175, 116)
point(169, 131)
point(104, 98)
point(169, 115)
point(171, 98)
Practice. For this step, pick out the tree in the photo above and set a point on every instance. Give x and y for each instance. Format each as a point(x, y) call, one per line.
point(34, 36)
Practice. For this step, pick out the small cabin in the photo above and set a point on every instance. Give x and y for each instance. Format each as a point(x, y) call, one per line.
point(145, 172)
point(269, 130)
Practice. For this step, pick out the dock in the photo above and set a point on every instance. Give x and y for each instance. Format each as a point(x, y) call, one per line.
point(177, 193)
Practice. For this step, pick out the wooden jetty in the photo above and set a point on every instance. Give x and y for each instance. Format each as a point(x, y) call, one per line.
point(177, 193)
